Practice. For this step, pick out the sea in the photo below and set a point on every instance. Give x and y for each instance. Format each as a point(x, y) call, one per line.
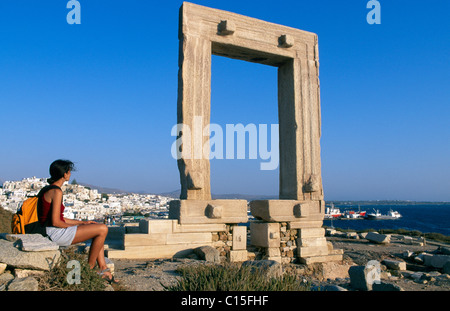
point(426, 218)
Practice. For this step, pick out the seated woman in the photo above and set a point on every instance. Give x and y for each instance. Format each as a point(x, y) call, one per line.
point(64, 231)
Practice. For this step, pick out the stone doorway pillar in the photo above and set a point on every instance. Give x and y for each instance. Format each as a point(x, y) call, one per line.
point(203, 32)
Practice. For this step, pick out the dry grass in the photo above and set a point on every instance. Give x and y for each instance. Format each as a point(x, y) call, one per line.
point(56, 279)
point(233, 277)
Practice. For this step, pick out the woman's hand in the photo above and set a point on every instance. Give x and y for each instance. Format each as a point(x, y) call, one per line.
point(88, 222)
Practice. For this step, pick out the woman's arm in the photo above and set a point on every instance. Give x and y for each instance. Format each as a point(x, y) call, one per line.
point(56, 212)
point(74, 222)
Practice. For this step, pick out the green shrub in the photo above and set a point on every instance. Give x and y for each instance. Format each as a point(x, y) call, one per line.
point(232, 277)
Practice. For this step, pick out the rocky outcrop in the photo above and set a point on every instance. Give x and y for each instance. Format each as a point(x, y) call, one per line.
point(22, 258)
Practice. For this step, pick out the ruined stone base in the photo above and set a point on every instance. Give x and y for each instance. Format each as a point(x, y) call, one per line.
point(291, 231)
point(192, 224)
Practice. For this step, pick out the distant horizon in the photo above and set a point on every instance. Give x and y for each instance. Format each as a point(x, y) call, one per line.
point(224, 195)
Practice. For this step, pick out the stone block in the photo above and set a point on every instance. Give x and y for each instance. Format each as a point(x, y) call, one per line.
point(238, 255)
point(378, 238)
point(116, 232)
point(209, 211)
point(2, 267)
point(42, 260)
point(445, 250)
point(286, 41)
point(305, 223)
point(132, 228)
point(226, 27)
point(142, 239)
point(207, 253)
point(351, 235)
point(310, 251)
point(213, 211)
point(386, 287)
point(239, 237)
point(167, 238)
point(5, 279)
point(180, 228)
point(394, 264)
point(116, 237)
point(33, 242)
point(420, 258)
point(363, 277)
point(265, 234)
point(436, 261)
point(285, 210)
point(186, 238)
point(24, 284)
point(272, 268)
point(363, 235)
point(330, 232)
point(446, 268)
point(150, 226)
point(23, 273)
point(307, 242)
point(311, 233)
point(154, 252)
point(273, 252)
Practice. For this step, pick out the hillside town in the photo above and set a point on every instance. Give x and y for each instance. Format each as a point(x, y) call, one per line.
point(83, 203)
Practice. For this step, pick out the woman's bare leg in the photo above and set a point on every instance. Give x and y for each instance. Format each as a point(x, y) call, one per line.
point(96, 232)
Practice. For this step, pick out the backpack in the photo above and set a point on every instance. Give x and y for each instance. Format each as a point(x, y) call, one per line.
point(26, 219)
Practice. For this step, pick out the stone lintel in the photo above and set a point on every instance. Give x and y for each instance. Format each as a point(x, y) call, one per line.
point(209, 211)
point(286, 210)
point(225, 28)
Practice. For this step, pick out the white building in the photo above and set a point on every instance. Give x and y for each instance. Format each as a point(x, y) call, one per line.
point(81, 202)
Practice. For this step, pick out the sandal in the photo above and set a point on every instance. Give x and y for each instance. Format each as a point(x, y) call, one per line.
point(110, 278)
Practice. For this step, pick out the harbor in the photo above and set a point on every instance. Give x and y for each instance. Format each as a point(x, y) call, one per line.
point(335, 213)
point(423, 217)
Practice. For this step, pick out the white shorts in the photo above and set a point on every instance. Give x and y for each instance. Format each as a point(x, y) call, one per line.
point(62, 236)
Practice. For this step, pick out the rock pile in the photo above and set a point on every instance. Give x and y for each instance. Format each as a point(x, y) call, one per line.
point(418, 265)
point(288, 245)
point(371, 276)
point(223, 241)
point(376, 237)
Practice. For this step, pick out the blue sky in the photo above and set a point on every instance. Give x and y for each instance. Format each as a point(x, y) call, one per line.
point(103, 94)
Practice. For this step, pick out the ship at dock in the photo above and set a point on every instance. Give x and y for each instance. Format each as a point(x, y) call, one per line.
point(335, 213)
point(376, 215)
point(349, 214)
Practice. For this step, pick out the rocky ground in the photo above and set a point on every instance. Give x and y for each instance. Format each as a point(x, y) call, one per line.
point(145, 275)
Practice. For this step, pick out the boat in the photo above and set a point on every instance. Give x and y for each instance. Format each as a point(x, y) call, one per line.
point(348, 214)
point(353, 215)
point(332, 212)
point(378, 216)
